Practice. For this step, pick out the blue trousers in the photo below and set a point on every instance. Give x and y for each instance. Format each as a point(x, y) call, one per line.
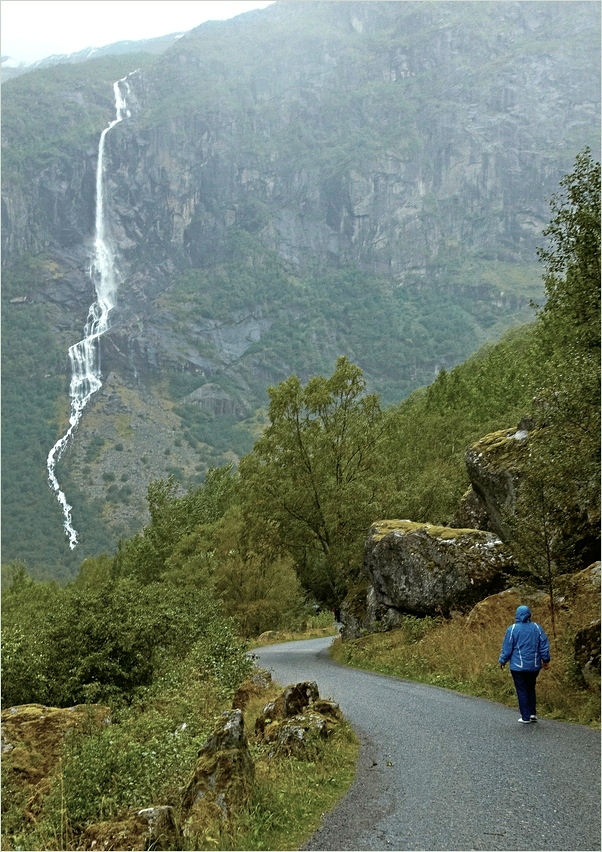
point(524, 683)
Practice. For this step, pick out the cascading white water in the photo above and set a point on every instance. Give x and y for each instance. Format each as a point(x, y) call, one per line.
point(84, 356)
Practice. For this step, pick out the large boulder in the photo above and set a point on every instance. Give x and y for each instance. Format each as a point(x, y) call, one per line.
point(493, 464)
point(581, 593)
point(32, 737)
point(471, 513)
point(427, 570)
point(499, 610)
point(496, 468)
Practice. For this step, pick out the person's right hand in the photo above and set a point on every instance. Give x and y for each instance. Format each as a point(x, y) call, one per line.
point(545, 665)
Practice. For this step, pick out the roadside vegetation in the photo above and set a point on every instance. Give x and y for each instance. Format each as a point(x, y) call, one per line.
point(163, 661)
point(461, 653)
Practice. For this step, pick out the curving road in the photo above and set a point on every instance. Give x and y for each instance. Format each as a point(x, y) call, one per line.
point(439, 770)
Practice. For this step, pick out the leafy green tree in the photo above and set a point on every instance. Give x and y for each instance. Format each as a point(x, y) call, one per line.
point(571, 316)
point(69, 646)
point(256, 586)
point(313, 479)
point(555, 527)
point(174, 518)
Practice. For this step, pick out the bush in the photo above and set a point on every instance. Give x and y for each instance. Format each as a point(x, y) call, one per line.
point(103, 644)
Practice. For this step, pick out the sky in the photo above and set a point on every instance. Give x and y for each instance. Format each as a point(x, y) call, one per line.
point(34, 29)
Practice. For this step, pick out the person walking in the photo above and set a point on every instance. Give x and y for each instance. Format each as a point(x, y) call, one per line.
point(527, 648)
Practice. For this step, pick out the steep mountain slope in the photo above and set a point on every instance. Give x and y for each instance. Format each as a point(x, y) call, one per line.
point(305, 181)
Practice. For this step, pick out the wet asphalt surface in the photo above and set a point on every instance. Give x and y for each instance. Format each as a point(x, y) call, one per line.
point(439, 770)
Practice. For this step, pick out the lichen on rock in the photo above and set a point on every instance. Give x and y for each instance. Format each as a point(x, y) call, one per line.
point(493, 464)
point(296, 721)
point(424, 569)
point(32, 736)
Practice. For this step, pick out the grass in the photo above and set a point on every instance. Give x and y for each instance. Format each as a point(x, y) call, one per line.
point(461, 653)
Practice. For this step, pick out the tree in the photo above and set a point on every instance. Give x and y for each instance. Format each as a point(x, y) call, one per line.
point(174, 519)
point(312, 480)
point(570, 329)
point(557, 515)
point(72, 645)
point(259, 588)
point(571, 316)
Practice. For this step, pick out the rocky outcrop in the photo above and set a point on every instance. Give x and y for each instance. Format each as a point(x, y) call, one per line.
point(296, 721)
point(212, 398)
point(428, 570)
point(496, 466)
point(294, 724)
point(587, 650)
point(581, 593)
point(501, 607)
point(32, 737)
point(223, 778)
point(471, 513)
point(493, 466)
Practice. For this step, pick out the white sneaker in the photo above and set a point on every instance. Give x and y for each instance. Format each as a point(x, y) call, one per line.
point(524, 721)
point(534, 718)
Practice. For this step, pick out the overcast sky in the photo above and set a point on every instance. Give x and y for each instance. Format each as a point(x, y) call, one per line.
point(34, 29)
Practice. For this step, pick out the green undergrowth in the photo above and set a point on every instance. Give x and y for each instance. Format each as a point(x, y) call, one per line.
point(458, 655)
point(146, 756)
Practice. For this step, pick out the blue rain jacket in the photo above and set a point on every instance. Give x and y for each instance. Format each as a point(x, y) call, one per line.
point(525, 644)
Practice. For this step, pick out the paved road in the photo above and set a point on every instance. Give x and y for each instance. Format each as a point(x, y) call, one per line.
point(439, 770)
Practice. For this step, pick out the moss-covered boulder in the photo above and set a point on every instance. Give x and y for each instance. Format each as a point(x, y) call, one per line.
point(293, 700)
point(224, 775)
point(498, 611)
point(493, 464)
point(501, 466)
point(581, 594)
point(296, 721)
point(253, 687)
point(471, 513)
point(32, 736)
point(149, 828)
point(427, 570)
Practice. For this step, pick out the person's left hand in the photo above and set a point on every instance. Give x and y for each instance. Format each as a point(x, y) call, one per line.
point(502, 665)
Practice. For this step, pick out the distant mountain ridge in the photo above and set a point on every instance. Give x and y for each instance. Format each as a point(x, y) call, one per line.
point(12, 68)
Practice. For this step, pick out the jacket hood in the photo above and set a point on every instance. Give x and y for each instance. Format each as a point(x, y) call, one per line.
point(523, 613)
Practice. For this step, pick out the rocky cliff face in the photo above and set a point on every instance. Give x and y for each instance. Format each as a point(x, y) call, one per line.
point(305, 181)
point(398, 136)
point(388, 134)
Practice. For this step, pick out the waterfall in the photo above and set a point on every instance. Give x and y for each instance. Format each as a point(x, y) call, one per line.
point(84, 356)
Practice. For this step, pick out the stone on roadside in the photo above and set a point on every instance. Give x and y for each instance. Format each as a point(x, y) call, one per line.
point(296, 721)
point(223, 777)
